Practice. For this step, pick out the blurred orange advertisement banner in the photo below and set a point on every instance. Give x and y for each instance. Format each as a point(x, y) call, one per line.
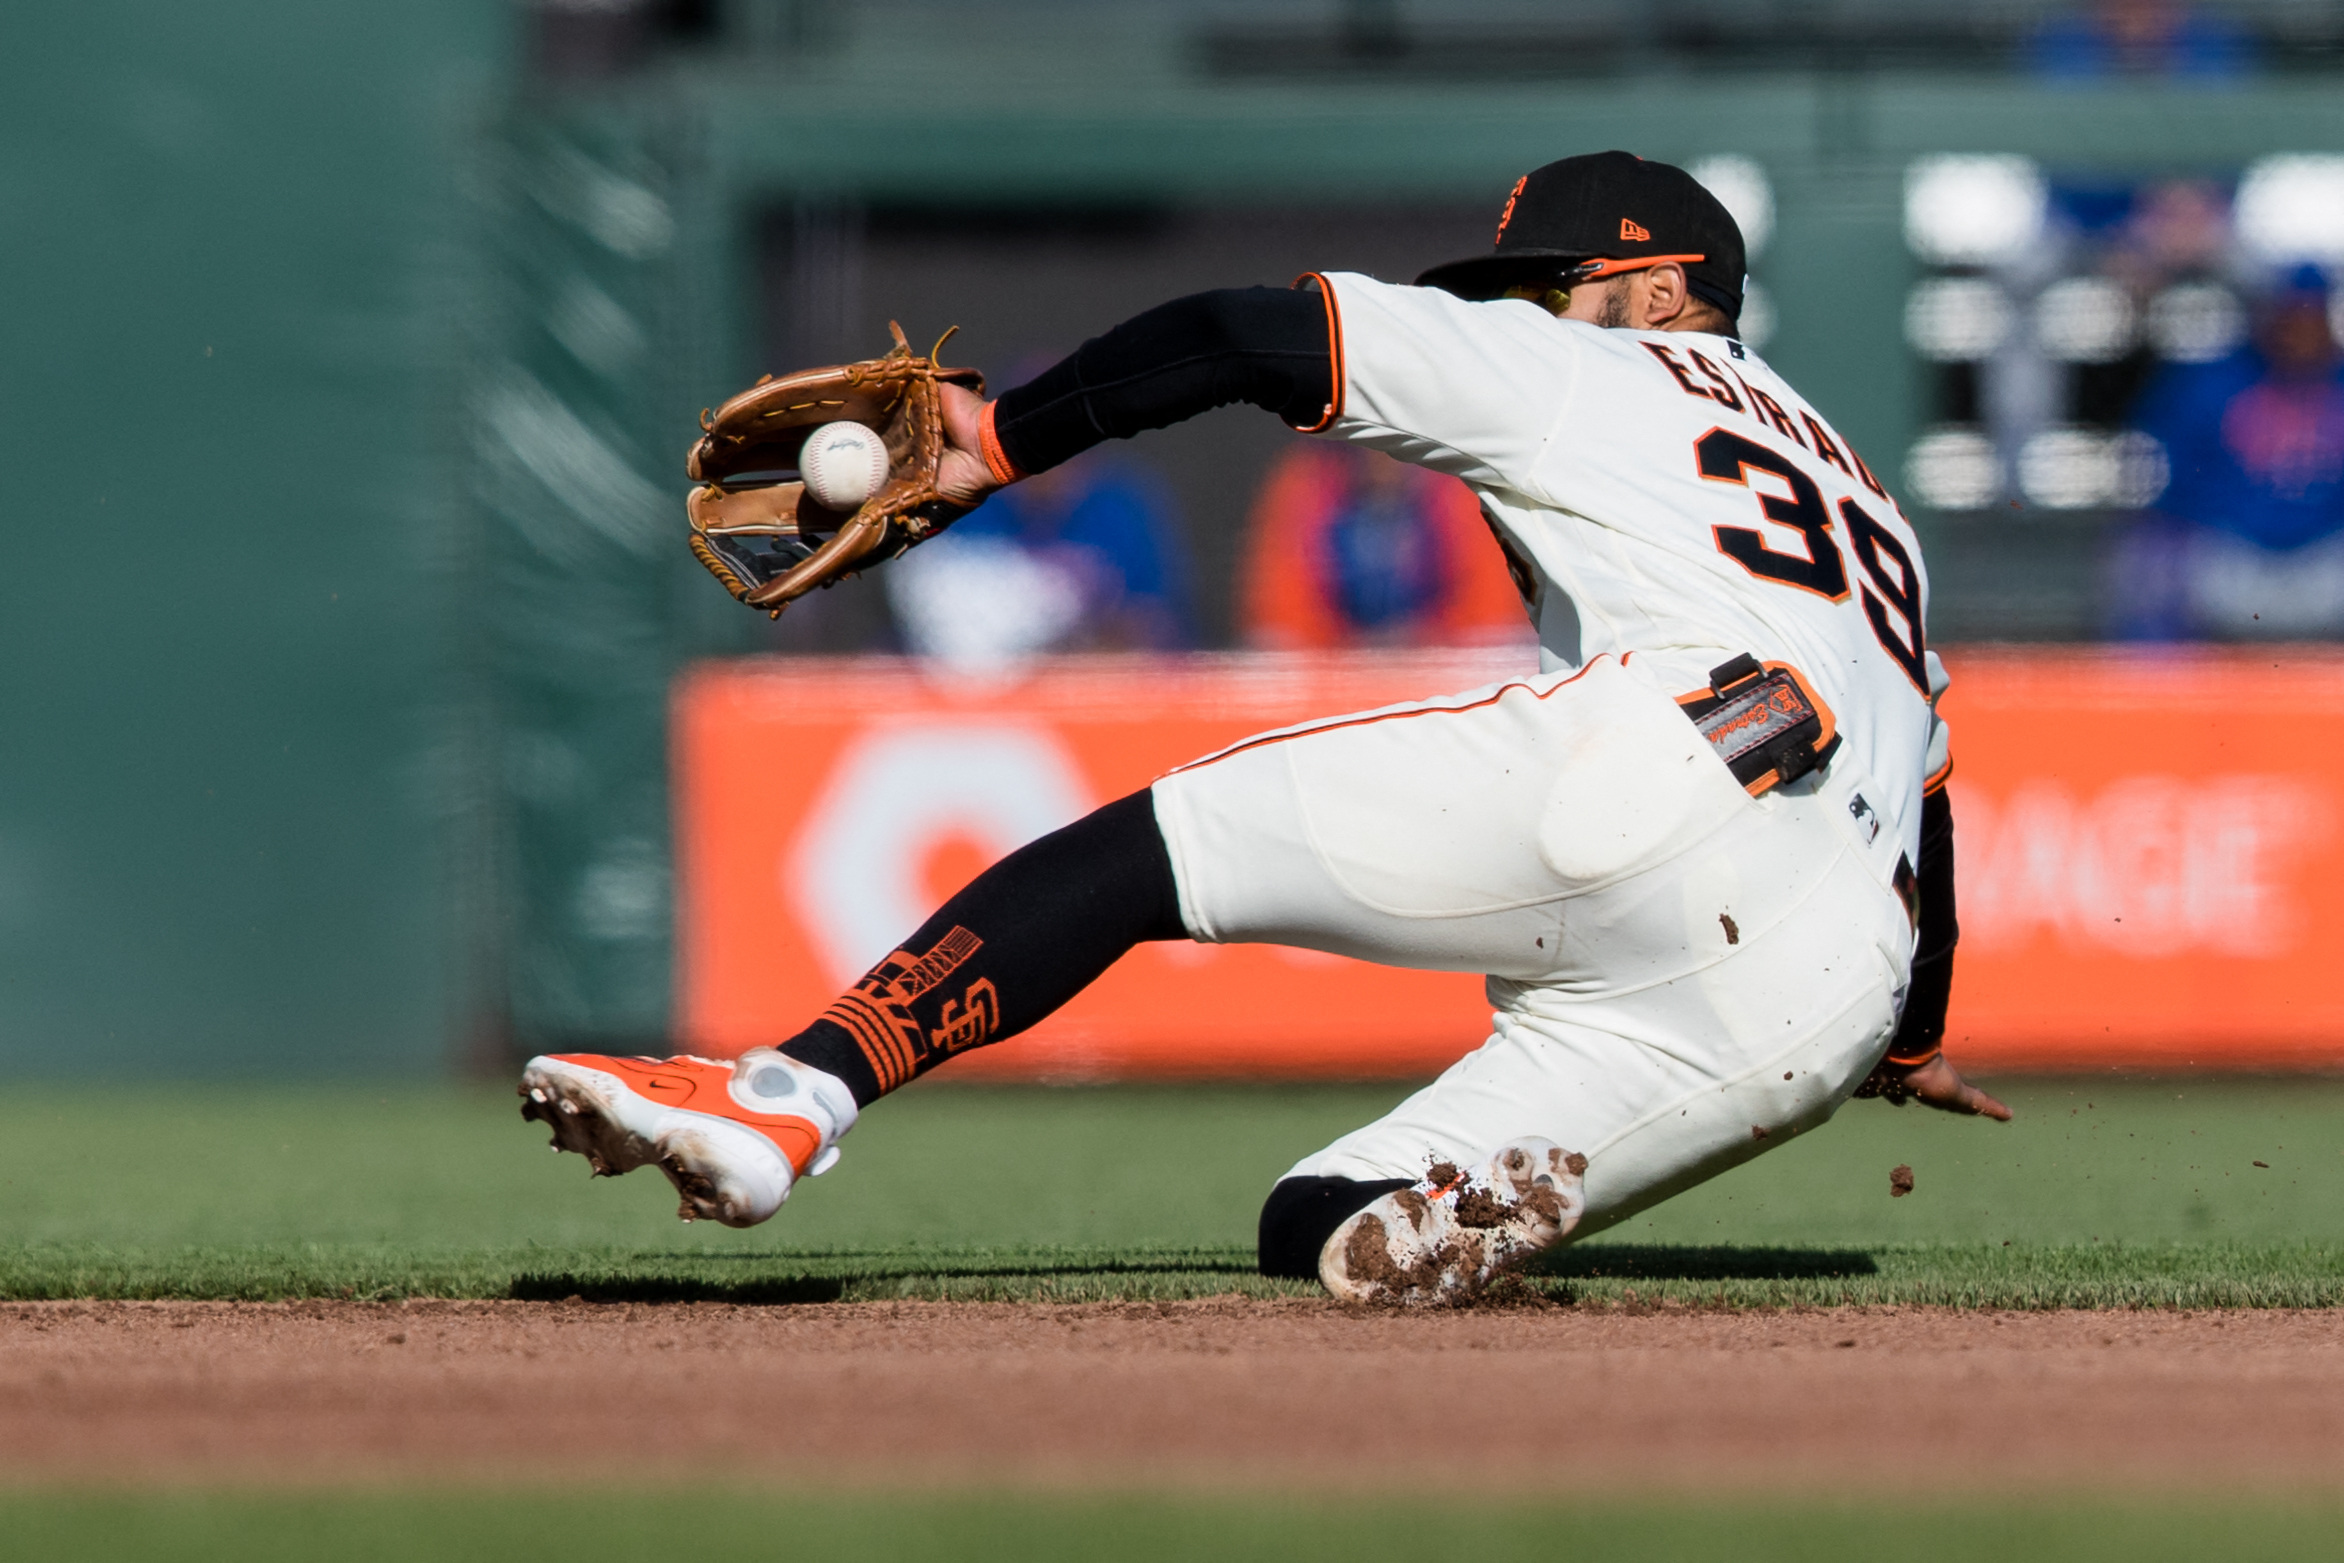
point(824, 808)
point(2148, 856)
point(2146, 842)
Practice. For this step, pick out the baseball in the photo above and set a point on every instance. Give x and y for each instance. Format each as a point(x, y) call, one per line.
point(843, 464)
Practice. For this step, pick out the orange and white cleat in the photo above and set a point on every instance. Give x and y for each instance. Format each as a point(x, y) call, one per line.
point(733, 1137)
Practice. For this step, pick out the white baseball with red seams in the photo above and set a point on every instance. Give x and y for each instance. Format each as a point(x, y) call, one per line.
point(842, 465)
point(1681, 975)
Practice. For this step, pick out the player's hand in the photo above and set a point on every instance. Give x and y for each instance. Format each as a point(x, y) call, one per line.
point(1933, 1084)
point(961, 475)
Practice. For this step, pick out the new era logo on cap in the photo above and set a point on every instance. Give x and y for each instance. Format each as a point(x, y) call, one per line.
point(1633, 232)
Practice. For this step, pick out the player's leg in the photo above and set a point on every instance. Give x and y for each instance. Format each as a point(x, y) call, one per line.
point(1016, 943)
point(1037, 928)
point(1020, 940)
point(1665, 949)
point(1657, 1089)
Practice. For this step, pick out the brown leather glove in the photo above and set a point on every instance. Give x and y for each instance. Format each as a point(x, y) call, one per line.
point(753, 524)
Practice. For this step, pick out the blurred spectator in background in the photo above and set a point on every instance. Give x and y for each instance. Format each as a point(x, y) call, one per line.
point(1349, 548)
point(2177, 228)
point(1085, 557)
point(2140, 38)
point(2248, 540)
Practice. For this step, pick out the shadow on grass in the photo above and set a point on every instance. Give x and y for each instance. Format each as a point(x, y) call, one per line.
point(782, 1291)
point(1628, 1262)
point(901, 1263)
point(1653, 1262)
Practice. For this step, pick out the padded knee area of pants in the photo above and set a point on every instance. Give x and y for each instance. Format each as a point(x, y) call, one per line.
point(1302, 1213)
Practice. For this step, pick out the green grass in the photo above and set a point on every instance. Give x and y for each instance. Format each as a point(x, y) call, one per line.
point(1036, 1528)
point(2105, 1193)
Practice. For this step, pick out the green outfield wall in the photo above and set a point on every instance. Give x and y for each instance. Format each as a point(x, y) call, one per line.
point(224, 245)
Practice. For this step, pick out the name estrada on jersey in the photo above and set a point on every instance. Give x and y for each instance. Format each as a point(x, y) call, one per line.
point(1661, 493)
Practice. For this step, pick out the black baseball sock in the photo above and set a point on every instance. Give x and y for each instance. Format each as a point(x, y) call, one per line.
point(1302, 1213)
point(1026, 935)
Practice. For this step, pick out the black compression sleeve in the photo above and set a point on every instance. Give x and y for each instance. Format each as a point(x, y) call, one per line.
point(1268, 346)
point(1923, 1026)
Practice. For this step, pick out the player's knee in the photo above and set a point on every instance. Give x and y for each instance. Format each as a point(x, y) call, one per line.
point(1302, 1213)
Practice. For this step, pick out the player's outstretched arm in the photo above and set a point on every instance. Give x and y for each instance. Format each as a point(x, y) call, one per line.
point(1271, 347)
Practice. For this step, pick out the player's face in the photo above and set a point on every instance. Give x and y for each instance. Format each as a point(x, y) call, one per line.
point(1654, 299)
point(1604, 303)
point(1613, 302)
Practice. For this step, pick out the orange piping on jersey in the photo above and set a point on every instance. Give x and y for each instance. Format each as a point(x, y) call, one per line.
point(1612, 268)
point(1935, 781)
point(1393, 716)
point(997, 462)
point(1334, 350)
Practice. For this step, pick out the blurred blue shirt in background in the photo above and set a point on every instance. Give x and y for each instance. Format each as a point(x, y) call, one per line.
point(2248, 541)
point(1086, 557)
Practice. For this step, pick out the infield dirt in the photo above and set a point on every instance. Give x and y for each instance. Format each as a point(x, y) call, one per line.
point(1220, 1392)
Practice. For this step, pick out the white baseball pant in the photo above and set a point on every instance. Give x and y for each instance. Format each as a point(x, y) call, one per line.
point(1683, 976)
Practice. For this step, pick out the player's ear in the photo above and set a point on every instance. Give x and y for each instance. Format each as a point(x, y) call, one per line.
point(1665, 294)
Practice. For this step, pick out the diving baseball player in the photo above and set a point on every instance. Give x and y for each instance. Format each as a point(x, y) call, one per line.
point(1703, 857)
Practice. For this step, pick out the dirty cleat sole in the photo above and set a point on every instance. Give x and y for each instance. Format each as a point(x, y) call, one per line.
point(1443, 1239)
point(725, 1171)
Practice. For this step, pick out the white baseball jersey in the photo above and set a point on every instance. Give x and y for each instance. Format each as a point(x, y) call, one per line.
point(1672, 497)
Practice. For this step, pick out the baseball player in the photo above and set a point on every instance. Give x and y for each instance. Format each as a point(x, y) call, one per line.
point(1703, 857)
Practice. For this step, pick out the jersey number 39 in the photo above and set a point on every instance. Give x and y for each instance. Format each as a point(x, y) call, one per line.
point(1892, 589)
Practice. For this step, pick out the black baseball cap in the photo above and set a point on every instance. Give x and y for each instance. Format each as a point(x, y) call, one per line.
point(1600, 215)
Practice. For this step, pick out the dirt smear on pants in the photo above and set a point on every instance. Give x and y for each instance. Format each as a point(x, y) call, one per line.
point(1223, 1392)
